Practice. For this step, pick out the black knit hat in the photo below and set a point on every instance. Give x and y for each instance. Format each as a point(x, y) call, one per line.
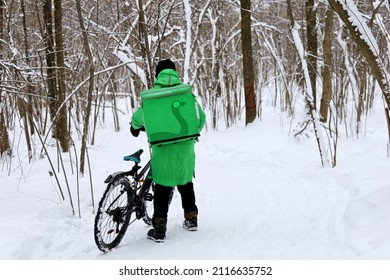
point(165, 64)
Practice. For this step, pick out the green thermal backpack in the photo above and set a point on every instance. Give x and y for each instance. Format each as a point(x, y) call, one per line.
point(171, 114)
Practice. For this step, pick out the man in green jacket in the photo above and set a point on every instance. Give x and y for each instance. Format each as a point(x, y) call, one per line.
point(172, 164)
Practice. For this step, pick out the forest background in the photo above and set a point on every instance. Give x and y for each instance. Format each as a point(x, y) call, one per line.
point(63, 62)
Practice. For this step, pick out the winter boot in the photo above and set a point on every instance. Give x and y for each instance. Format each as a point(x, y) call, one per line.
point(157, 233)
point(191, 220)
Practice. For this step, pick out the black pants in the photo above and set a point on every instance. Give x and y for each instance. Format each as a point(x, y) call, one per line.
point(163, 194)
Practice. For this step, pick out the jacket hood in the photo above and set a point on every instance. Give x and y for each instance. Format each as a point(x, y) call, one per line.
point(167, 78)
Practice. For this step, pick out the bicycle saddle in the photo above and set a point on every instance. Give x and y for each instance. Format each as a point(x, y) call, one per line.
point(136, 157)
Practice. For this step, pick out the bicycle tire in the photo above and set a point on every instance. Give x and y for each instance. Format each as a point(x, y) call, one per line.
point(147, 204)
point(113, 214)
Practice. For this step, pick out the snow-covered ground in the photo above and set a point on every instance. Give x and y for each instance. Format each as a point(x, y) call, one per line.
point(261, 195)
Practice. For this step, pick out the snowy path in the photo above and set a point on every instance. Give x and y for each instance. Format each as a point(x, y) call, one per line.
point(261, 195)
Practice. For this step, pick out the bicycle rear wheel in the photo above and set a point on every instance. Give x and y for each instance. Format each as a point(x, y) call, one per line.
point(113, 214)
point(147, 204)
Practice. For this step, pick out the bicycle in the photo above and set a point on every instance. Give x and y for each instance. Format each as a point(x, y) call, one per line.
point(128, 193)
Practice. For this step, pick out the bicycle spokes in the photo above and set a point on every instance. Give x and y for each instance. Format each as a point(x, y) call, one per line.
point(118, 217)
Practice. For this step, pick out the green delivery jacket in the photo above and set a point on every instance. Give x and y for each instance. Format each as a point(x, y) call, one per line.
point(172, 164)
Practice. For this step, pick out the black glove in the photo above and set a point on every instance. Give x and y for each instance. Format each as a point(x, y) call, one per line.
point(135, 132)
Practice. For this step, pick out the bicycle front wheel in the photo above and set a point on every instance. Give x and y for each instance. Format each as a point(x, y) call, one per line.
point(113, 214)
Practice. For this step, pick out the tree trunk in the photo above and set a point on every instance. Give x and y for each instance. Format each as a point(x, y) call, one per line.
point(312, 45)
point(2, 12)
point(189, 43)
point(362, 92)
point(4, 140)
point(62, 126)
point(327, 72)
point(246, 44)
point(30, 88)
point(90, 89)
point(144, 43)
point(50, 62)
point(22, 107)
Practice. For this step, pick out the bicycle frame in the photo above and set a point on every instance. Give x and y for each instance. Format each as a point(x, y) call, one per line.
point(133, 173)
point(137, 178)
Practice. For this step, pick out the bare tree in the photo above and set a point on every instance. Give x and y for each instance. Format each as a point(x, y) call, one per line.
point(91, 86)
point(50, 60)
point(368, 49)
point(309, 99)
point(144, 44)
point(247, 60)
point(62, 124)
point(2, 12)
point(4, 140)
point(327, 71)
point(30, 88)
point(311, 33)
